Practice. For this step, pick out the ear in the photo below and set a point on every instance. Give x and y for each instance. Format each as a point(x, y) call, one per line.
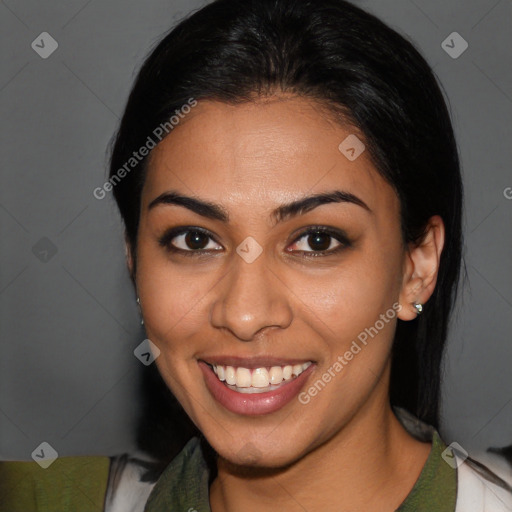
point(129, 257)
point(421, 267)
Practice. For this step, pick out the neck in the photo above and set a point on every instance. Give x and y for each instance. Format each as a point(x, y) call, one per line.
point(371, 464)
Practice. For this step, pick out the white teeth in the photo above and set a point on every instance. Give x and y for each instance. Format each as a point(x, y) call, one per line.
point(297, 369)
point(243, 377)
point(276, 375)
point(260, 378)
point(287, 372)
point(257, 379)
point(230, 375)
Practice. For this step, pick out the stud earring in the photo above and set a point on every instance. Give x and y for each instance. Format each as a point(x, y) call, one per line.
point(419, 308)
point(140, 312)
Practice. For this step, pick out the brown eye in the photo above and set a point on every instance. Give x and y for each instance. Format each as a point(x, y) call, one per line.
point(188, 240)
point(196, 240)
point(320, 241)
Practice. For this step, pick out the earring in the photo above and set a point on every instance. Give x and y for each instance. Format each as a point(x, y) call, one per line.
point(419, 308)
point(140, 312)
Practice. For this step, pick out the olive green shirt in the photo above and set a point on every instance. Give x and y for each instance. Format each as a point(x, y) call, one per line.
point(183, 485)
point(78, 484)
point(74, 484)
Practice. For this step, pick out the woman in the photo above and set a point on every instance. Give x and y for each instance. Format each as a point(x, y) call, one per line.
point(289, 182)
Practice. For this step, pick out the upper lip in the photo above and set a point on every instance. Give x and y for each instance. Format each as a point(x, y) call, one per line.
point(252, 362)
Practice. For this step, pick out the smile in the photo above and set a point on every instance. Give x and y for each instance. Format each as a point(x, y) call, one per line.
point(264, 388)
point(257, 380)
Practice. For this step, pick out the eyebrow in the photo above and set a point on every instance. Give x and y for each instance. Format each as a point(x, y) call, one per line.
point(283, 212)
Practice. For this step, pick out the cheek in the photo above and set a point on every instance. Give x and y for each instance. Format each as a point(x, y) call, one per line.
point(353, 312)
point(349, 300)
point(174, 300)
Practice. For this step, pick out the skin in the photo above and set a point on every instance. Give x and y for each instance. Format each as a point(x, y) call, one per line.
point(344, 450)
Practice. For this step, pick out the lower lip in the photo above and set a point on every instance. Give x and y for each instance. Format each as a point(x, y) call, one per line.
point(253, 403)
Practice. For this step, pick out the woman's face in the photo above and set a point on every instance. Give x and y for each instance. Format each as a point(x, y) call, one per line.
point(234, 277)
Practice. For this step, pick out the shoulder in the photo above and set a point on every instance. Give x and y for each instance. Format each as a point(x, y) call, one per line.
point(28, 486)
point(120, 483)
point(481, 490)
point(131, 480)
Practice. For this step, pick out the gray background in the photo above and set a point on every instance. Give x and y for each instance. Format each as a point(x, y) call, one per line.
point(69, 323)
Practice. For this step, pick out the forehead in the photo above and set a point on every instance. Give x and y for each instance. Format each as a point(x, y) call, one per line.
point(259, 154)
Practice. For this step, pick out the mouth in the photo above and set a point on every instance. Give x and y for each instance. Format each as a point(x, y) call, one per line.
point(257, 380)
point(255, 387)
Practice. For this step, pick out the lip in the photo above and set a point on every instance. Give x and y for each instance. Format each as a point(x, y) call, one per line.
point(253, 404)
point(252, 362)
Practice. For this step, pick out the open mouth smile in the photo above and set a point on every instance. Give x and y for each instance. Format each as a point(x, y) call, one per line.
point(260, 389)
point(257, 380)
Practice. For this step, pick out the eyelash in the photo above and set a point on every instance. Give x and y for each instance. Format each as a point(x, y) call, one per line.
point(339, 236)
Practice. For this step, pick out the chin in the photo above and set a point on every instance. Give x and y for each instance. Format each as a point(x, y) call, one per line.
point(261, 451)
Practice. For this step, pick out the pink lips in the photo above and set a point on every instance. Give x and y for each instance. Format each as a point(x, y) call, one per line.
point(253, 362)
point(255, 403)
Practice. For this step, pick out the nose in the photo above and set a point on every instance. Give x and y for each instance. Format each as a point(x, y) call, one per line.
point(251, 300)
